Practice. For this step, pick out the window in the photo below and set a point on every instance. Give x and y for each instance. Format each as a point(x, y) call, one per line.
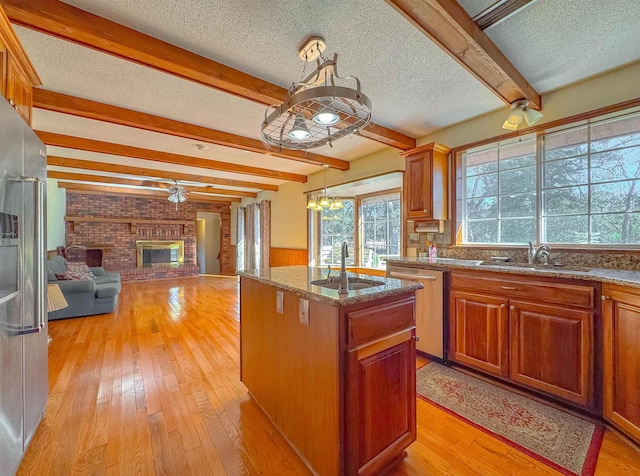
point(579, 185)
point(370, 224)
point(380, 230)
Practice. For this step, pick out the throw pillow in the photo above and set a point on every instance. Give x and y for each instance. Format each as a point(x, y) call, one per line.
point(67, 276)
point(79, 268)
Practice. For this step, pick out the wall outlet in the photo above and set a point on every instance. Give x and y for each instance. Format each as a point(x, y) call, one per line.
point(303, 308)
point(280, 302)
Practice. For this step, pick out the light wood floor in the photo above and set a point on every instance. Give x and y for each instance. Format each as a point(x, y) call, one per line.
point(154, 389)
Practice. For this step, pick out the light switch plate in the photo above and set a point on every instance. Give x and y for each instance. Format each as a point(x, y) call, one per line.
point(279, 302)
point(303, 308)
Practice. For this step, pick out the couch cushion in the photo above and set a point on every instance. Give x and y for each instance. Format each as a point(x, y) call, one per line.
point(51, 276)
point(56, 265)
point(107, 290)
point(108, 278)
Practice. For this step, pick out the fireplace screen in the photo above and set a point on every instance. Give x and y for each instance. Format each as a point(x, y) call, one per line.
point(159, 253)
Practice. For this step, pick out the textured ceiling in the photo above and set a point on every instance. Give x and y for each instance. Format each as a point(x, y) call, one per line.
point(414, 86)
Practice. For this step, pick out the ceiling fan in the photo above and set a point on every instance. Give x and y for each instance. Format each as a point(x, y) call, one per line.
point(177, 194)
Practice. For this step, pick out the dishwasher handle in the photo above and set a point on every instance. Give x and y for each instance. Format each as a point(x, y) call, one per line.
point(395, 274)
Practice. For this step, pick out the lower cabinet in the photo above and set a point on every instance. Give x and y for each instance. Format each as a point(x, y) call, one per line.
point(496, 327)
point(479, 332)
point(550, 349)
point(621, 322)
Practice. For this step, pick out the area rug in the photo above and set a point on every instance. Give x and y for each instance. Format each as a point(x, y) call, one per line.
point(564, 442)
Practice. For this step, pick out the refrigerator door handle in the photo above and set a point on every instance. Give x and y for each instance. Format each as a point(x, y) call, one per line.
point(39, 320)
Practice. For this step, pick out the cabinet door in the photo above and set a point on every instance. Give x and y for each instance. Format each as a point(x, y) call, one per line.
point(478, 327)
point(3, 66)
point(418, 187)
point(19, 90)
point(551, 350)
point(381, 402)
point(621, 318)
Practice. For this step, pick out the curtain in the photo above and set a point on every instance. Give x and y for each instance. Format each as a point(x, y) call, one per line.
point(257, 235)
point(240, 239)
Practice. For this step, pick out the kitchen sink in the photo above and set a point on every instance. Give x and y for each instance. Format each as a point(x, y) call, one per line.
point(354, 283)
point(536, 267)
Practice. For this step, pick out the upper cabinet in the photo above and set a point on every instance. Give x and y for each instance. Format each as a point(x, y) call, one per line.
point(425, 182)
point(18, 76)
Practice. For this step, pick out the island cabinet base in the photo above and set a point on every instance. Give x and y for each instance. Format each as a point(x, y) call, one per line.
point(340, 383)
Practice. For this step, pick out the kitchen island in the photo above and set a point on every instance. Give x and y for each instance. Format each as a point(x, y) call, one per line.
point(334, 372)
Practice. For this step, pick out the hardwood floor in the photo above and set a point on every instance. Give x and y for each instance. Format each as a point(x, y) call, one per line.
point(154, 389)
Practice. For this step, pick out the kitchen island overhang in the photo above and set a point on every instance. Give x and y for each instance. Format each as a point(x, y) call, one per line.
point(334, 372)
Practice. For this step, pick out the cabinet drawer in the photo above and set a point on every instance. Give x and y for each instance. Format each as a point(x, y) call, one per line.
point(374, 322)
point(538, 291)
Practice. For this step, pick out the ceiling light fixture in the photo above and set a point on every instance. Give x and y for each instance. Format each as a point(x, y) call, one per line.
point(520, 111)
point(317, 111)
point(321, 201)
point(177, 194)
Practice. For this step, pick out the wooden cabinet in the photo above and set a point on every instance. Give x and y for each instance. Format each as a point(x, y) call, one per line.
point(533, 332)
point(381, 406)
point(340, 385)
point(621, 345)
point(425, 182)
point(18, 74)
point(550, 349)
point(480, 333)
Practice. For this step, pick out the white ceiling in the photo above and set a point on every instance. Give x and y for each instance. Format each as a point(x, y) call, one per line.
point(414, 86)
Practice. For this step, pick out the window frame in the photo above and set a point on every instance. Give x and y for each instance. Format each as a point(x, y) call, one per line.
point(583, 119)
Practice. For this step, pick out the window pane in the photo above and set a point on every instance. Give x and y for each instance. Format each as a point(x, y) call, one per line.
point(518, 205)
point(518, 231)
point(617, 228)
point(482, 162)
point(616, 196)
point(482, 208)
point(565, 201)
point(380, 231)
point(482, 231)
point(616, 165)
point(482, 185)
point(566, 172)
point(337, 226)
point(615, 134)
point(566, 144)
point(566, 229)
point(518, 180)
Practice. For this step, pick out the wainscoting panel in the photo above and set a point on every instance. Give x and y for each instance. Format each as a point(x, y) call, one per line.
point(287, 257)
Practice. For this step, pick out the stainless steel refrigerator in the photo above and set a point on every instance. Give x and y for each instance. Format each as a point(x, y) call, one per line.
point(23, 317)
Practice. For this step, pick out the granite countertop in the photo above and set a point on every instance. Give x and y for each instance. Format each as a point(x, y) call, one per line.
point(615, 276)
point(296, 279)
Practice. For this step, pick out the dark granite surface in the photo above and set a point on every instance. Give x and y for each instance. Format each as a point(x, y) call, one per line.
point(297, 278)
point(615, 276)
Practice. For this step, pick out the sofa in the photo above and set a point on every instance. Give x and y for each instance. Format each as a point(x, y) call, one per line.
point(96, 293)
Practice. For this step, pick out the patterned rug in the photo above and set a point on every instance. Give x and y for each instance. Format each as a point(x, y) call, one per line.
point(566, 443)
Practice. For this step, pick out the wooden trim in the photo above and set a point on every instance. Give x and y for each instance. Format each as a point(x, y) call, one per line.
point(145, 183)
point(79, 143)
point(432, 146)
point(93, 189)
point(542, 128)
point(52, 101)
point(78, 26)
point(53, 160)
point(288, 257)
point(17, 50)
point(354, 182)
point(124, 220)
point(449, 26)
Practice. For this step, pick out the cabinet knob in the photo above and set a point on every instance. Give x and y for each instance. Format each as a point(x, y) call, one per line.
point(416, 338)
point(604, 298)
point(510, 288)
point(425, 211)
point(502, 306)
point(12, 102)
point(513, 308)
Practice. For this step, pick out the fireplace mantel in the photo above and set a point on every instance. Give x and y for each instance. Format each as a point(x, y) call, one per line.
point(132, 222)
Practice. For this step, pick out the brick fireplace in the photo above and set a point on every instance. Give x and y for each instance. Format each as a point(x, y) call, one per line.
point(116, 223)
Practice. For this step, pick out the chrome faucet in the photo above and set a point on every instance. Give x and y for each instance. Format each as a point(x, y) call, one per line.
point(344, 280)
point(535, 254)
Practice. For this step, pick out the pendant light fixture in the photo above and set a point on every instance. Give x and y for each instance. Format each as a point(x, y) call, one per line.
point(317, 111)
point(520, 111)
point(323, 200)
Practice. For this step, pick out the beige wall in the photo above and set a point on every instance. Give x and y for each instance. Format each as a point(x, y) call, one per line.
point(288, 212)
point(56, 210)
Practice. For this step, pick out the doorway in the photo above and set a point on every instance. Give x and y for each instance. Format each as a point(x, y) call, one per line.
point(208, 242)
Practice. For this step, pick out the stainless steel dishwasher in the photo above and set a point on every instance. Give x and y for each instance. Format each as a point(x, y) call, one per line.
point(429, 308)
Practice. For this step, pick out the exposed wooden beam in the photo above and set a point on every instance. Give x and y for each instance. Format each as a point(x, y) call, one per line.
point(63, 103)
point(145, 183)
point(154, 173)
point(80, 143)
point(448, 25)
point(105, 189)
point(65, 21)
